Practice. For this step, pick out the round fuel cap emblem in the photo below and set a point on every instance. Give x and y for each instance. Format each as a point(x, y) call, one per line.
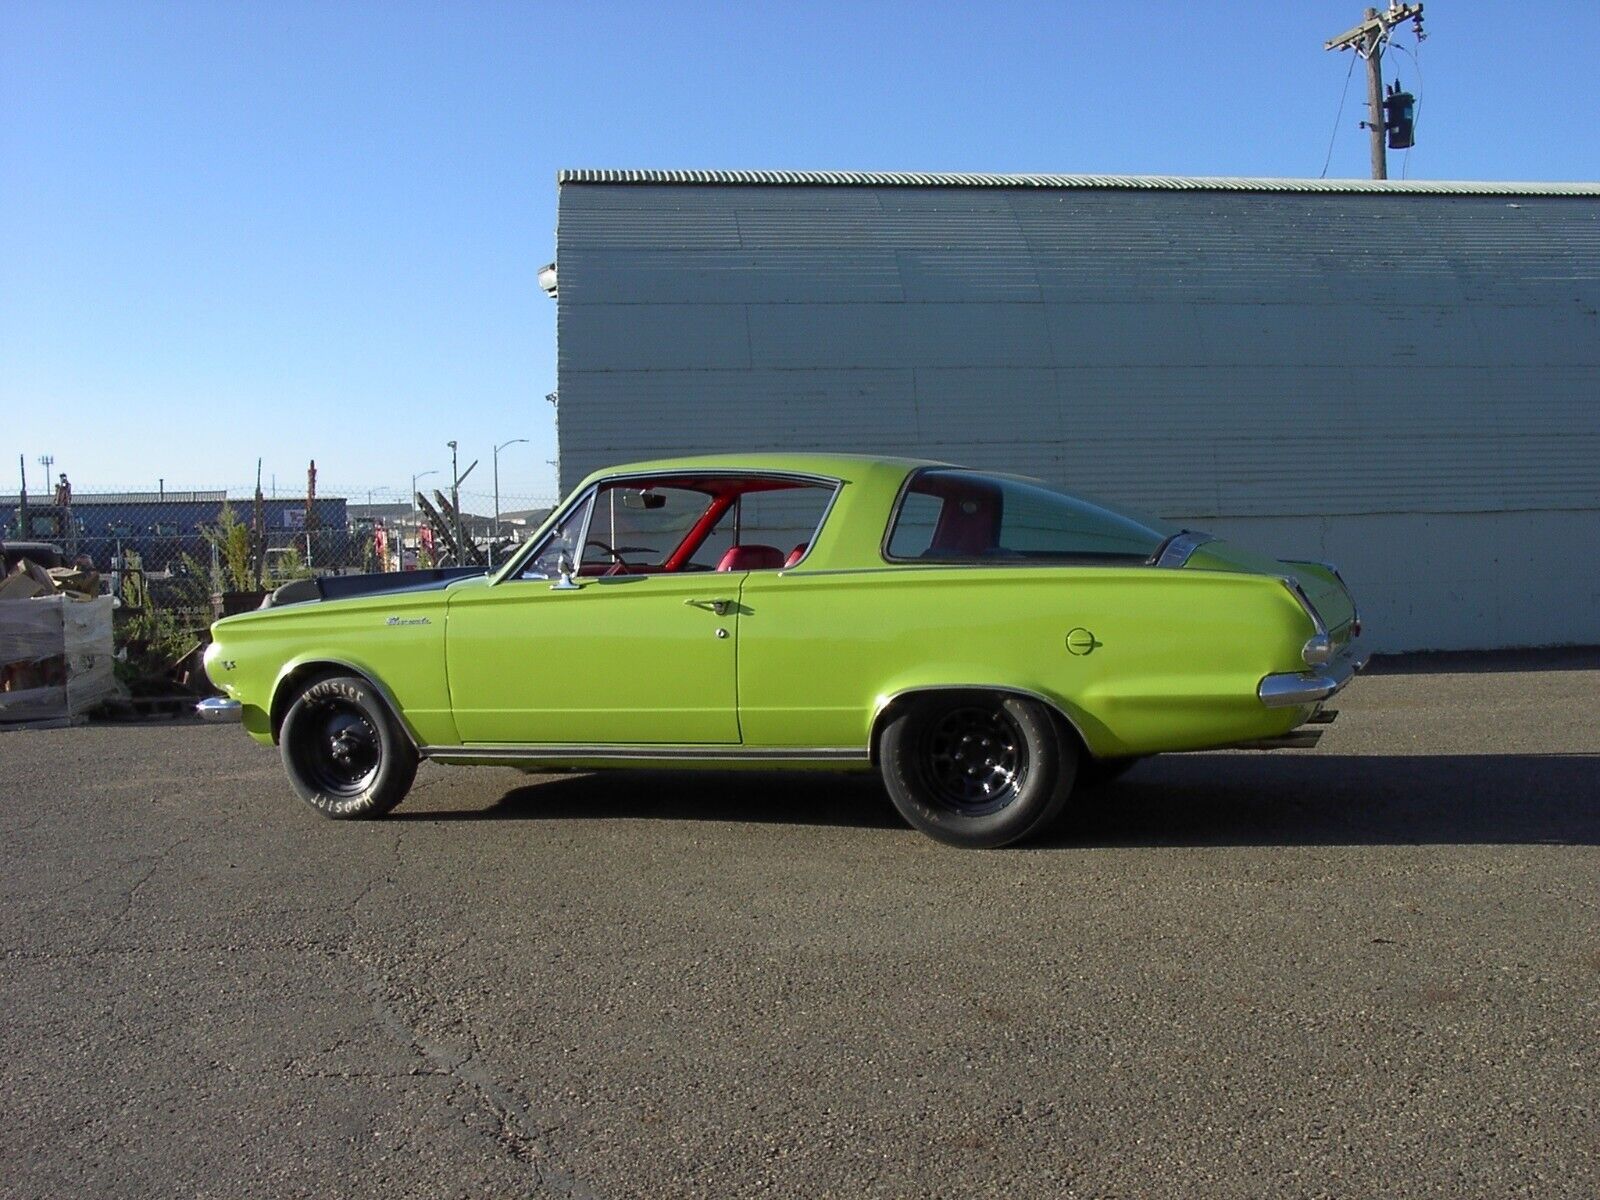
point(1081, 641)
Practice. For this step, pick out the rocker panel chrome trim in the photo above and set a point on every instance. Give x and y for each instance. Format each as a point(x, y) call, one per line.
point(645, 753)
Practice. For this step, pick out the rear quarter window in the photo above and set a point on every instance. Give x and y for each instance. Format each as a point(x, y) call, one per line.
point(962, 516)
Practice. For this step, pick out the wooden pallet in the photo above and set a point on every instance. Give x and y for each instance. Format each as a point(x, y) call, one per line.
point(44, 723)
point(138, 708)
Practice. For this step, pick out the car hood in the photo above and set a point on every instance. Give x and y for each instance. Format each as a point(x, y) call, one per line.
point(397, 590)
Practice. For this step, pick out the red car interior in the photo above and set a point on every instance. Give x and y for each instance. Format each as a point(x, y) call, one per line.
point(722, 494)
point(751, 557)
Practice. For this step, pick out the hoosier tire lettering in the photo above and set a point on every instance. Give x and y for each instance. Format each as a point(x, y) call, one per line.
point(345, 754)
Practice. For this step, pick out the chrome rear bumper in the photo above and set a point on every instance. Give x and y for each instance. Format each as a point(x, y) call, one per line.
point(215, 708)
point(1310, 687)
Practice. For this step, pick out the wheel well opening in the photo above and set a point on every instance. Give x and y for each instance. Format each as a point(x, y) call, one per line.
point(296, 681)
point(896, 704)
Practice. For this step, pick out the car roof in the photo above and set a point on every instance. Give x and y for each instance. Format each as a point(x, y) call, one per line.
point(835, 466)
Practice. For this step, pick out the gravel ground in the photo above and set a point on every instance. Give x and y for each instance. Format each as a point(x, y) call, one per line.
point(1368, 969)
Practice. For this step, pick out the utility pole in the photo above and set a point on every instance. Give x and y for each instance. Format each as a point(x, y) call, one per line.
point(456, 478)
point(455, 490)
point(1367, 40)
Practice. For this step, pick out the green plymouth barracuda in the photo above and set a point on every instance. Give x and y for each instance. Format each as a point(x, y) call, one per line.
point(989, 644)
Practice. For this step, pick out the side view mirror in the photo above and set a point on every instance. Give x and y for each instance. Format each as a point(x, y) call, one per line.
point(564, 569)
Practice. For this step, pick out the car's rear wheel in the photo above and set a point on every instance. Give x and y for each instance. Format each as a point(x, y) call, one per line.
point(345, 754)
point(976, 769)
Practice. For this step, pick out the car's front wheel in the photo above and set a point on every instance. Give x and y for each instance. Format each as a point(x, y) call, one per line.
point(976, 769)
point(345, 754)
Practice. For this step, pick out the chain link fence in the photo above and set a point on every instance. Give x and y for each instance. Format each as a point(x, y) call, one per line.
point(175, 559)
point(233, 539)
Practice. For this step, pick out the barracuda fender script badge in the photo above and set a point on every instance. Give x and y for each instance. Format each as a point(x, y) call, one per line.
point(408, 621)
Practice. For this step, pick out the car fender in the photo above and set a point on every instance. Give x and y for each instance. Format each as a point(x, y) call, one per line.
point(308, 662)
point(1091, 733)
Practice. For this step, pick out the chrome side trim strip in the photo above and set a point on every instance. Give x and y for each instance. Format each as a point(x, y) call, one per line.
point(1299, 593)
point(218, 710)
point(1355, 609)
point(646, 753)
point(1309, 687)
point(1180, 547)
point(1317, 562)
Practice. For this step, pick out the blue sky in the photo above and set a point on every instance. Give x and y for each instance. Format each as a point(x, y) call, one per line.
point(297, 230)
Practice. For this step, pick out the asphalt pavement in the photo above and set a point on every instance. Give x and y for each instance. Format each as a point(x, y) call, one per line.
point(1369, 969)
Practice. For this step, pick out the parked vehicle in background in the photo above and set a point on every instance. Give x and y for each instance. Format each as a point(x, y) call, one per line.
point(40, 554)
point(990, 645)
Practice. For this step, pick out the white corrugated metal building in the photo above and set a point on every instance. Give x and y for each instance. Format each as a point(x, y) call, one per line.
point(1402, 378)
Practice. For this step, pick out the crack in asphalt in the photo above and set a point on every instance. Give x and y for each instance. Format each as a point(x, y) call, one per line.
point(517, 1134)
point(133, 892)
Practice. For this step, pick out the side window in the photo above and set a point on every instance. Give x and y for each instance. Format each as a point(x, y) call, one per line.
point(785, 518)
point(641, 526)
point(560, 543)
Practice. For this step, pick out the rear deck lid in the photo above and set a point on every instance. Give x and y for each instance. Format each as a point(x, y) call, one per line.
point(1319, 581)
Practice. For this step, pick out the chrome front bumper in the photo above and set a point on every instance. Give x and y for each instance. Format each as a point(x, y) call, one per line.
point(1310, 687)
point(218, 709)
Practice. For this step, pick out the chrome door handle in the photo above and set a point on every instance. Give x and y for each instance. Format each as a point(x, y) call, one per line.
point(717, 605)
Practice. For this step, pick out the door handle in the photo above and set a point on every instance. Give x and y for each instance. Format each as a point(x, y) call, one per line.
point(718, 605)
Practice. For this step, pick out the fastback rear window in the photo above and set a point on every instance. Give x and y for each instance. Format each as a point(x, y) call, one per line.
point(948, 515)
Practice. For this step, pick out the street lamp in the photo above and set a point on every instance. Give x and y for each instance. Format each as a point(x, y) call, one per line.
point(496, 537)
point(457, 478)
point(414, 478)
point(416, 519)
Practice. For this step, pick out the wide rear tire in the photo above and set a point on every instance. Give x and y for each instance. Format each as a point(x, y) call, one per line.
point(345, 753)
point(977, 769)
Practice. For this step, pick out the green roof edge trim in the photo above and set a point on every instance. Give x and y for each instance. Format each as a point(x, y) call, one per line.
point(1166, 183)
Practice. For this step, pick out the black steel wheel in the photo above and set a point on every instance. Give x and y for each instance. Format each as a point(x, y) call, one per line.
point(974, 759)
point(344, 752)
point(976, 768)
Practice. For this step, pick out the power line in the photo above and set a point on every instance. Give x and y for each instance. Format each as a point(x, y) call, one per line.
point(1416, 118)
point(1332, 137)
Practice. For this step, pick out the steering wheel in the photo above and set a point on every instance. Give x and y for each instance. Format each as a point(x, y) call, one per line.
point(619, 565)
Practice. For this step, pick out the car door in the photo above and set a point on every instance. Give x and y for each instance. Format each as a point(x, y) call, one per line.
point(595, 658)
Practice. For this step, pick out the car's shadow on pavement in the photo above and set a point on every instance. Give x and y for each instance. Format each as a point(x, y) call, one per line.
point(1320, 799)
point(1175, 800)
point(762, 797)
